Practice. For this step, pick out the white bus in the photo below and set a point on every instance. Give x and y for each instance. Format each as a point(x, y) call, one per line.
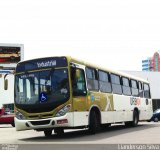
point(58, 93)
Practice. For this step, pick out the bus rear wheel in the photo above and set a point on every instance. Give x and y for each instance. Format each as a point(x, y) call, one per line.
point(94, 123)
point(48, 133)
point(135, 121)
point(135, 118)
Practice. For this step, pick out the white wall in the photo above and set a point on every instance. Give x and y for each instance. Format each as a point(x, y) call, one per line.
point(153, 78)
point(7, 96)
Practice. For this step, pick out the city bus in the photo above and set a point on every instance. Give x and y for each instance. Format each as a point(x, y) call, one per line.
point(58, 93)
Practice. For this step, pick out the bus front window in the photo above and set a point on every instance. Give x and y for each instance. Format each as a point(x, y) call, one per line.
point(32, 87)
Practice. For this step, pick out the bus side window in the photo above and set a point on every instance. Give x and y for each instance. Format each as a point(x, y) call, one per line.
point(104, 82)
point(147, 91)
point(116, 85)
point(92, 79)
point(134, 88)
point(140, 89)
point(126, 87)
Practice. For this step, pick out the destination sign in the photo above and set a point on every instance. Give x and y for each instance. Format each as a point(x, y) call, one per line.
point(46, 63)
point(41, 63)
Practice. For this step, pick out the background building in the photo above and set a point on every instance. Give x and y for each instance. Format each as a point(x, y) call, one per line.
point(146, 65)
point(152, 63)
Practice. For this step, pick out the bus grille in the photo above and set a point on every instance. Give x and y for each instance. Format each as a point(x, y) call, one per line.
point(42, 116)
point(44, 122)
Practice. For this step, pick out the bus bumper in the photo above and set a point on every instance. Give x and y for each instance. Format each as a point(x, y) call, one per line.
point(63, 121)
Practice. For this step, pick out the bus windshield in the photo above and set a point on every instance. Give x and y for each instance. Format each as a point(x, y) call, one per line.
point(42, 87)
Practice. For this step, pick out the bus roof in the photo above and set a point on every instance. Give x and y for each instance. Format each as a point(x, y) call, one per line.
point(106, 69)
point(72, 59)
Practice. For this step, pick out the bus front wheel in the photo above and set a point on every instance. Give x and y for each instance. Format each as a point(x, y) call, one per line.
point(48, 133)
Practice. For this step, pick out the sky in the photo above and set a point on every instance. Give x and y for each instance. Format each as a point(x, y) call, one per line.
point(116, 34)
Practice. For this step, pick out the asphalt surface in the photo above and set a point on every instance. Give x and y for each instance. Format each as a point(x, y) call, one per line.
point(144, 133)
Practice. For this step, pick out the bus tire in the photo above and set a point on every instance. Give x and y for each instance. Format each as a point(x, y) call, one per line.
point(59, 131)
point(133, 123)
point(94, 122)
point(135, 118)
point(48, 133)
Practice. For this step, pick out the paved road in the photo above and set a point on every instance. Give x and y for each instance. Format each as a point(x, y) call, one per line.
point(145, 133)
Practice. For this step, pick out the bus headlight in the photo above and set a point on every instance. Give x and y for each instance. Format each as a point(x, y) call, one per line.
point(19, 116)
point(63, 111)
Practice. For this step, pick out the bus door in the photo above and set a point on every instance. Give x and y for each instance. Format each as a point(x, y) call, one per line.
point(79, 92)
point(148, 101)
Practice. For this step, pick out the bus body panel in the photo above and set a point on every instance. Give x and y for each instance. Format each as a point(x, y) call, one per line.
point(126, 104)
point(22, 124)
point(81, 118)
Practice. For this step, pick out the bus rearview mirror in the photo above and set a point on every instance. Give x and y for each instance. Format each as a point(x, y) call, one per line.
point(6, 84)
